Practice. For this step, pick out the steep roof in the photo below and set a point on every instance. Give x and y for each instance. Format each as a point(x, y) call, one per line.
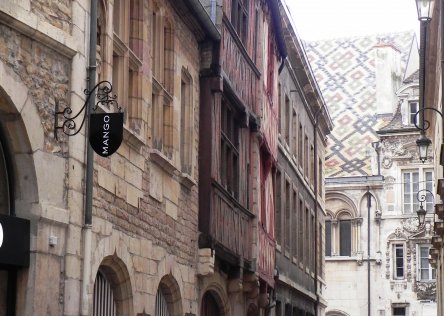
point(345, 69)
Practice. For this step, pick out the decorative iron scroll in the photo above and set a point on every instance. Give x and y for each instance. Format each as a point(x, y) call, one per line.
point(425, 123)
point(103, 96)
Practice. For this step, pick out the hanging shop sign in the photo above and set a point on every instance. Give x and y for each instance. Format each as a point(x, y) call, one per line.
point(105, 132)
point(14, 241)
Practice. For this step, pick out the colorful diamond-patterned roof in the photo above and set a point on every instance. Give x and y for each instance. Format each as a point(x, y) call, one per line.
point(346, 74)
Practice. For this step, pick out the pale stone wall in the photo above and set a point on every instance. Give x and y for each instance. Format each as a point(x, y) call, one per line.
point(43, 57)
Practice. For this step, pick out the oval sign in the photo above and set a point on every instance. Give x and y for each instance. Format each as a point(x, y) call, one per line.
point(105, 132)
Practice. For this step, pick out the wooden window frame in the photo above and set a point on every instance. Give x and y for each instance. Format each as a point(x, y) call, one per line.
point(230, 155)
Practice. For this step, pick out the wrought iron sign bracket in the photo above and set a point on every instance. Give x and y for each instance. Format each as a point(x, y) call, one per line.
point(102, 92)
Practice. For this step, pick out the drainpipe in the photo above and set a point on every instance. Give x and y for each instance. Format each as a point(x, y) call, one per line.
point(87, 233)
point(369, 205)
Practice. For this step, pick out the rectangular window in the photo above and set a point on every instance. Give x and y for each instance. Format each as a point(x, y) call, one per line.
point(320, 180)
point(186, 123)
point(411, 187)
point(313, 242)
point(413, 109)
point(301, 231)
point(428, 177)
point(311, 163)
point(287, 217)
point(239, 18)
point(229, 155)
point(345, 237)
point(413, 182)
point(398, 261)
point(399, 311)
point(294, 130)
point(278, 202)
point(287, 120)
point(425, 270)
point(328, 238)
point(300, 146)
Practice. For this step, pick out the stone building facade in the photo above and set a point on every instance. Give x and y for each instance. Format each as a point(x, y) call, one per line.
point(375, 181)
point(180, 220)
point(139, 255)
point(299, 192)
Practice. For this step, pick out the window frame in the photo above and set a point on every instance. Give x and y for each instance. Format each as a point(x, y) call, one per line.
point(345, 249)
point(412, 205)
point(239, 18)
point(229, 146)
point(411, 114)
point(420, 259)
point(395, 263)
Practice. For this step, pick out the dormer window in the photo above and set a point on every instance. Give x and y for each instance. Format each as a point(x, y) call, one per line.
point(413, 109)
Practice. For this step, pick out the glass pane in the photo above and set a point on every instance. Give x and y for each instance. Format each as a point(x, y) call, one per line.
point(328, 238)
point(345, 238)
point(424, 252)
point(415, 181)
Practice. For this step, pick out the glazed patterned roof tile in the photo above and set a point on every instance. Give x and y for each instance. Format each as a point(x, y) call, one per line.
point(346, 74)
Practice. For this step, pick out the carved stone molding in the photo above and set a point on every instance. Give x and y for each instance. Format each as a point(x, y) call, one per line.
point(426, 290)
point(410, 225)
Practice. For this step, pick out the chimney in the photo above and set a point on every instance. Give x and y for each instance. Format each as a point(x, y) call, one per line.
point(388, 76)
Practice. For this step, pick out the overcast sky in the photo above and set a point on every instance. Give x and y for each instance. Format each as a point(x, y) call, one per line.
point(323, 19)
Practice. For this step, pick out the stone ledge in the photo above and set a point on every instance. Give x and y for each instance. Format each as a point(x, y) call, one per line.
point(54, 215)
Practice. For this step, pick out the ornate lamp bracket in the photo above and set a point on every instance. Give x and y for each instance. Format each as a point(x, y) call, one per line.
point(425, 124)
point(102, 92)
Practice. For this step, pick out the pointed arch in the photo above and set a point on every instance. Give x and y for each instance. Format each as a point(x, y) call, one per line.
point(113, 270)
point(169, 290)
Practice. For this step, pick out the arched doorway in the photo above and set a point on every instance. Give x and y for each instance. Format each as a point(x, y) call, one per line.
point(112, 294)
point(103, 302)
point(14, 234)
point(168, 298)
point(5, 274)
point(209, 307)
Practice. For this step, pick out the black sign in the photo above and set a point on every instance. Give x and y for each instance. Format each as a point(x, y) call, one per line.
point(105, 132)
point(14, 241)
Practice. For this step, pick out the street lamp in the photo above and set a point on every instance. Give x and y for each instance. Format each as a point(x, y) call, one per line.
point(425, 9)
point(422, 198)
point(423, 144)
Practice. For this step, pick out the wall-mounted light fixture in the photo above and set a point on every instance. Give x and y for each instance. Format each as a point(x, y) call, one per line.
point(421, 196)
point(425, 10)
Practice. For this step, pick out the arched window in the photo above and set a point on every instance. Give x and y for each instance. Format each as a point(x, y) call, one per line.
point(345, 235)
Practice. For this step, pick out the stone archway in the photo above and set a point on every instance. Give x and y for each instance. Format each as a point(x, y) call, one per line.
point(336, 313)
point(115, 272)
point(170, 290)
point(20, 193)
